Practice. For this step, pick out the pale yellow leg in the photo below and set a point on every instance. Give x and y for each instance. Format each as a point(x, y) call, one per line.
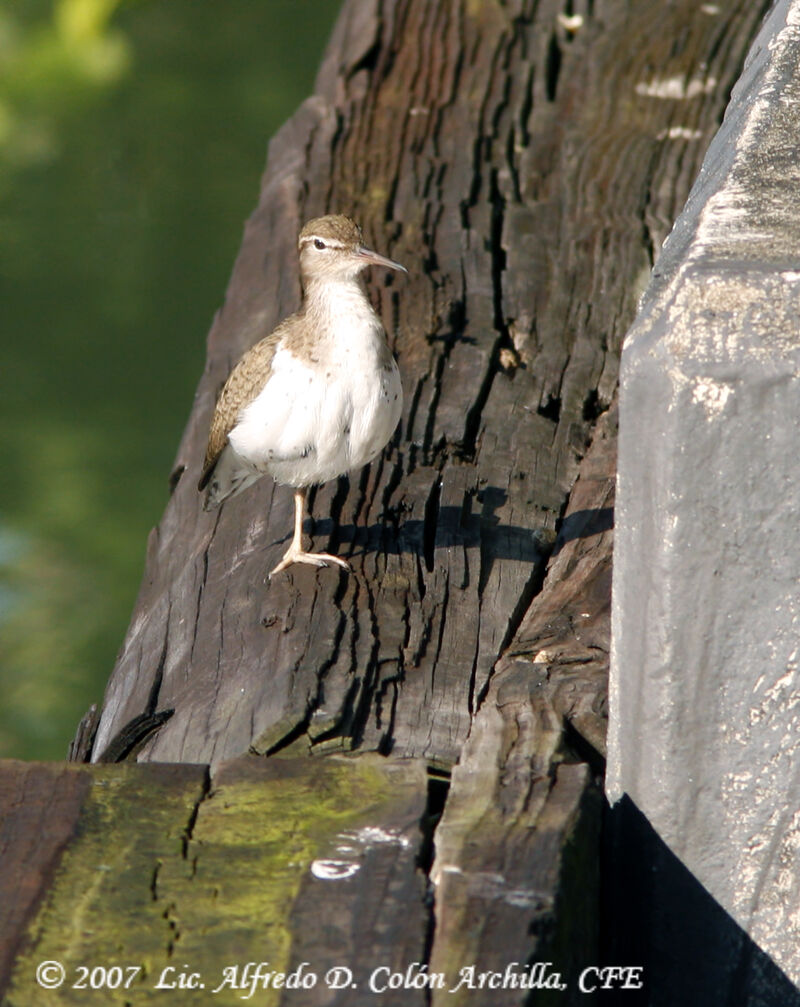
point(296, 553)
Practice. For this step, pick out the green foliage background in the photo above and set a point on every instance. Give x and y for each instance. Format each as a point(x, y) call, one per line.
point(132, 137)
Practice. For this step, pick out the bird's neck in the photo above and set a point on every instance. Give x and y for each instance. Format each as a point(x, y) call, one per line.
point(329, 305)
point(321, 293)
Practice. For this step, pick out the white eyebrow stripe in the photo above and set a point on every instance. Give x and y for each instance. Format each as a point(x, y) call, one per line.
point(330, 242)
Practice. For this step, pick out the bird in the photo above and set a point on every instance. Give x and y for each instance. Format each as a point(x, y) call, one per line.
point(319, 396)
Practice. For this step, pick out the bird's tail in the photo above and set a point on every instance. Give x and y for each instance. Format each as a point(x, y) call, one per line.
point(228, 477)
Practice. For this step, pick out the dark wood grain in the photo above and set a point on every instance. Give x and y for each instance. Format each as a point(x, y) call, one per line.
point(525, 172)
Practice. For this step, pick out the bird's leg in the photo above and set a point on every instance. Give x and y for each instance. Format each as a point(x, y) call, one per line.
point(296, 553)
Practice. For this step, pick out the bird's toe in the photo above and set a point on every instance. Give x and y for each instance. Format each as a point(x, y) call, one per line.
point(311, 558)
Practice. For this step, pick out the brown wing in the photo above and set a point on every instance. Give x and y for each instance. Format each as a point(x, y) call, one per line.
point(243, 385)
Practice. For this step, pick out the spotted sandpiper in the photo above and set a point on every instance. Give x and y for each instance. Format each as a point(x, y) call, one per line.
point(317, 397)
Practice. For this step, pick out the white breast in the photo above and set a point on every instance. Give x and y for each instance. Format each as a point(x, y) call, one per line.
point(318, 418)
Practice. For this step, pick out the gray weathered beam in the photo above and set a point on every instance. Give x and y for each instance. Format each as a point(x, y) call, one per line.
point(705, 718)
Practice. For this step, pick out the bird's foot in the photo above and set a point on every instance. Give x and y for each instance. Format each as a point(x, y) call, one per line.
point(312, 558)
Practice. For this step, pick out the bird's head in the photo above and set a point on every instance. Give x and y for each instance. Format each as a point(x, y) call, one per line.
point(333, 248)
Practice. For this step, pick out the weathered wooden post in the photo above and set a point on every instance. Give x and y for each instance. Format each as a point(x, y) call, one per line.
point(704, 729)
point(524, 163)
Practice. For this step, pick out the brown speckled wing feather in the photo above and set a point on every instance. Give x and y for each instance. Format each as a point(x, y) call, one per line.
point(243, 385)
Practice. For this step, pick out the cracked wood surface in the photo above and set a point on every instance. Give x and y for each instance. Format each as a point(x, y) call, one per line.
point(159, 867)
point(80, 852)
point(524, 169)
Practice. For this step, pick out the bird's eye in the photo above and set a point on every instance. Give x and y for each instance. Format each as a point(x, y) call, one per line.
point(318, 243)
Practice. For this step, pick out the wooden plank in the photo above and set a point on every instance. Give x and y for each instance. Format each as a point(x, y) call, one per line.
point(83, 844)
point(363, 905)
point(168, 875)
point(517, 871)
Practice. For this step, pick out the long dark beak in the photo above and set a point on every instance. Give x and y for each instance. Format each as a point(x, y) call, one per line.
point(380, 260)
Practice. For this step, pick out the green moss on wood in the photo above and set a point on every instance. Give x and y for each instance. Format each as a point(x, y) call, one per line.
point(164, 874)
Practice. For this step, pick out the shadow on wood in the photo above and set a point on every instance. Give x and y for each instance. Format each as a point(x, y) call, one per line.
point(658, 915)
